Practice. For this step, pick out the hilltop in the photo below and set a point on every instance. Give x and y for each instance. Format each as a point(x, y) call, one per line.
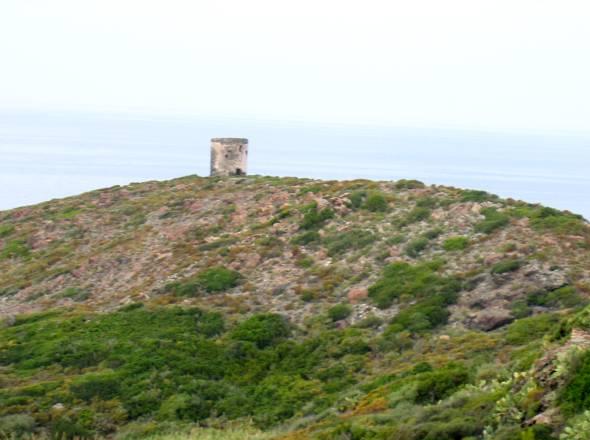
point(295, 308)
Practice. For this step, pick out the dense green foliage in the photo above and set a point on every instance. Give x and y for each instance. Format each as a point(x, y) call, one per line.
point(493, 221)
point(376, 202)
point(415, 247)
point(313, 217)
point(340, 311)
point(576, 394)
point(416, 282)
point(456, 244)
point(15, 249)
point(506, 266)
point(347, 240)
point(212, 280)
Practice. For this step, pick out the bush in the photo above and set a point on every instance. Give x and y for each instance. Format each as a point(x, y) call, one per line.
point(422, 316)
point(15, 249)
point(16, 426)
point(75, 293)
point(493, 221)
point(549, 219)
point(210, 324)
point(357, 199)
point(376, 202)
point(477, 196)
point(526, 330)
point(354, 239)
point(313, 218)
point(456, 244)
point(340, 312)
point(409, 184)
point(418, 281)
point(213, 280)
point(563, 297)
point(417, 215)
point(104, 386)
point(264, 330)
point(441, 383)
point(575, 397)
point(506, 266)
point(6, 230)
point(306, 238)
point(415, 247)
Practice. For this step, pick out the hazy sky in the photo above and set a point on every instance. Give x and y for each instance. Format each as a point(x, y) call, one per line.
point(493, 64)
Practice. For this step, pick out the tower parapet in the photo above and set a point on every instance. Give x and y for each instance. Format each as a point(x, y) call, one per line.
point(229, 156)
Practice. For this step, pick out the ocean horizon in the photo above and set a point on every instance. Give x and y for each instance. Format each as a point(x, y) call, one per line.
point(51, 155)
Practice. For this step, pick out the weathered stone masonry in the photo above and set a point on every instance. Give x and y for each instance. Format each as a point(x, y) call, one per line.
point(229, 156)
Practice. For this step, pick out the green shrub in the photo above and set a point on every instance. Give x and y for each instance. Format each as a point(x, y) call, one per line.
point(75, 293)
point(15, 249)
point(6, 230)
point(417, 215)
point(456, 244)
point(409, 184)
point(104, 386)
point(506, 266)
point(16, 426)
point(357, 199)
point(578, 428)
point(563, 297)
point(493, 221)
point(340, 312)
point(213, 280)
point(210, 324)
point(418, 281)
point(314, 218)
point(306, 238)
point(441, 383)
point(415, 247)
point(575, 397)
point(433, 233)
point(264, 330)
point(376, 202)
point(549, 219)
point(422, 316)
point(523, 331)
point(477, 196)
point(344, 241)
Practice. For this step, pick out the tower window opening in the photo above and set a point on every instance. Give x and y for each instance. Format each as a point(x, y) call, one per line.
point(239, 172)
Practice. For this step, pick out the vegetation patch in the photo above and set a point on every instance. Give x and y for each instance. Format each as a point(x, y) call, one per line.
point(212, 280)
point(339, 312)
point(415, 247)
point(454, 244)
point(15, 249)
point(506, 266)
point(314, 218)
point(493, 221)
point(412, 281)
point(6, 230)
point(354, 239)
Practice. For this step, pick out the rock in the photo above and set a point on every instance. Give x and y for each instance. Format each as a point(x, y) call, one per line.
point(357, 294)
point(491, 319)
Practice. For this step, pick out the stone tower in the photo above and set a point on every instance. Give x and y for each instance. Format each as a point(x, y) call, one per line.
point(229, 156)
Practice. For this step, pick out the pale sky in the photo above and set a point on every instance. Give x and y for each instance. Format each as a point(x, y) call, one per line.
point(494, 64)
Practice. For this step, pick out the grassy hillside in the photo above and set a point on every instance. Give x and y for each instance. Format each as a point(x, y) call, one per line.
point(288, 308)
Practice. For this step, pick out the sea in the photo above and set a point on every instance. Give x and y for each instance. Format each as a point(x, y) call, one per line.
point(47, 155)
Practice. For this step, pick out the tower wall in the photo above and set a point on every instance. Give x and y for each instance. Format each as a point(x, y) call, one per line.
point(229, 157)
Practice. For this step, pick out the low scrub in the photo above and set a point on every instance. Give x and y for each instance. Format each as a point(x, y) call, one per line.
point(213, 280)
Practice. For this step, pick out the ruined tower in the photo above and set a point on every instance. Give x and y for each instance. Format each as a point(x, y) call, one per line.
point(229, 156)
